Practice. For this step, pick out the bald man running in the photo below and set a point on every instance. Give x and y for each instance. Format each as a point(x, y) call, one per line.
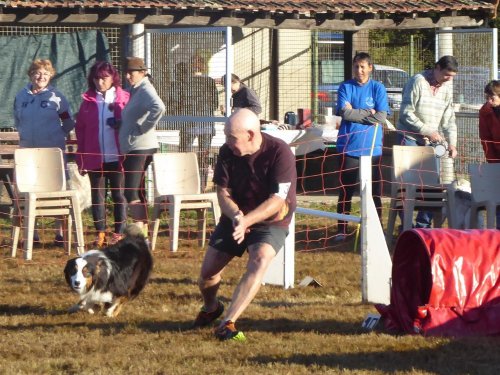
point(256, 178)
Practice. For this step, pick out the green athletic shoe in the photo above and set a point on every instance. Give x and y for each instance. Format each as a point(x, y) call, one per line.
point(205, 318)
point(229, 332)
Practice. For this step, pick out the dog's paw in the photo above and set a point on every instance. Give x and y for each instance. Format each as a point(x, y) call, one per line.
point(113, 311)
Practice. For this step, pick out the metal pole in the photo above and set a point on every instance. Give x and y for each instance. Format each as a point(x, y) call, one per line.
point(348, 54)
point(412, 62)
point(229, 69)
point(315, 75)
point(274, 76)
point(494, 60)
point(137, 41)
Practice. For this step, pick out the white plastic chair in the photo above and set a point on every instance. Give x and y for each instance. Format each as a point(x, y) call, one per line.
point(416, 185)
point(485, 182)
point(40, 190)
point(177, 185)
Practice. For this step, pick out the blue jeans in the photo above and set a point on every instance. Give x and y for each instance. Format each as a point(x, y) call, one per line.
point(424, 218)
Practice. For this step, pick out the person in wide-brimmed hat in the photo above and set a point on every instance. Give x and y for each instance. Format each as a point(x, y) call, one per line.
point(135, 64)
point(138, 140)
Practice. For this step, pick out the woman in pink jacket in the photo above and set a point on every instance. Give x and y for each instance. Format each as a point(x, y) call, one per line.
point(97, 125)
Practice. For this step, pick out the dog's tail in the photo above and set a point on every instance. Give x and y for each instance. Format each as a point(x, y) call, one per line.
point(133, 230)
point(144, 265)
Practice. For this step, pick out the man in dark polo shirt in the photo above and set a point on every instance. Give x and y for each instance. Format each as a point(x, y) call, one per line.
point(256, 180)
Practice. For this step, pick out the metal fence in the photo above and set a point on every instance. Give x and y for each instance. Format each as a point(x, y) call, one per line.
point(310, 68)
point(187, 66)
point(476, 52)
point(469, 145)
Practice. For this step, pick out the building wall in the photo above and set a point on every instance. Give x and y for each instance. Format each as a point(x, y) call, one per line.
point(252, 62)
point(294, 70)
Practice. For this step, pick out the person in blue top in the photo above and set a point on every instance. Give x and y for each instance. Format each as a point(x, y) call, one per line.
point(43, 118)
point(362, 104)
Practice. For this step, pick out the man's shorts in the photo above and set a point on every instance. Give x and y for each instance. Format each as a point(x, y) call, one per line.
point(222, 238)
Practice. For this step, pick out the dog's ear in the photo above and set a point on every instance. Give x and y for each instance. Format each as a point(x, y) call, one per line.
point(68, 270)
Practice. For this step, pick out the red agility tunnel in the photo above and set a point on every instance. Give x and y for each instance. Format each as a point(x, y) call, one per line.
point(445, 282)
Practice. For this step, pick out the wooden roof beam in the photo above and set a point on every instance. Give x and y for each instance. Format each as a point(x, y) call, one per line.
point(119, 17)
point(348, 22)
point(80, 18)
point(226, 18)
point(259, 20)
point(404, 23)
point(7, 18)
point(38, 17)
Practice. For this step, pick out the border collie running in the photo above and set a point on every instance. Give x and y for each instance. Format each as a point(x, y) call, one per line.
point(110, 277)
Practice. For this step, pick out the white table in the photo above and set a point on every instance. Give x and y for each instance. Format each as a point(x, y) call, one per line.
point(304, 140)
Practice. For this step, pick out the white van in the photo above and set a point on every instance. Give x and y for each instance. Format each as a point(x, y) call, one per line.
point(394, 79)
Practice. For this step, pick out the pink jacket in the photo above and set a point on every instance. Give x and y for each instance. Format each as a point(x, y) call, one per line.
point(88, 156)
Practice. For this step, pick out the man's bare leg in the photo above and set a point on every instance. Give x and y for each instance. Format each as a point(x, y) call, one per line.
point(213, 264)
point(260, 256)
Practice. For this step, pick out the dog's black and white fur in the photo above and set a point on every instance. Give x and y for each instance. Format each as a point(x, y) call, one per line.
point(108, 278)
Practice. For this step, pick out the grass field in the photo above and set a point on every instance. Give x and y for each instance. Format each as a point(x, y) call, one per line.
point(305, 330)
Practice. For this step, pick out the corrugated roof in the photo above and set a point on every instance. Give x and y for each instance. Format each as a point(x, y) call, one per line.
point(273, 6)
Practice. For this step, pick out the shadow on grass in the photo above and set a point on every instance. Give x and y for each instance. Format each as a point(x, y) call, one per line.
point(276, 326)
point(302, 303)
point(443, 360)
point(272, 325)
point(107, 327)
point(110, 325)
point(9, 310)
point(167, 280)
point(281, 325)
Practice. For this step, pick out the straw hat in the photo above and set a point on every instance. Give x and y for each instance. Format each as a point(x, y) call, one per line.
point(135, 63)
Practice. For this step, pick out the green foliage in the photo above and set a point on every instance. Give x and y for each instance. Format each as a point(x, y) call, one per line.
point(400, 37)
point(410, 50)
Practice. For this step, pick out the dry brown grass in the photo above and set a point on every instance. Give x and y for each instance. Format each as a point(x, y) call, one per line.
point(298, 331)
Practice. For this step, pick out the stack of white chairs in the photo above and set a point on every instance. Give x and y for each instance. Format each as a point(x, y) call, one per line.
point(416, 185)
point(40, 190)
point(177, 187)
point(485, 184)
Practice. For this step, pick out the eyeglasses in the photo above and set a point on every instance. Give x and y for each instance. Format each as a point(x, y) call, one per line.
point(40, 74)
